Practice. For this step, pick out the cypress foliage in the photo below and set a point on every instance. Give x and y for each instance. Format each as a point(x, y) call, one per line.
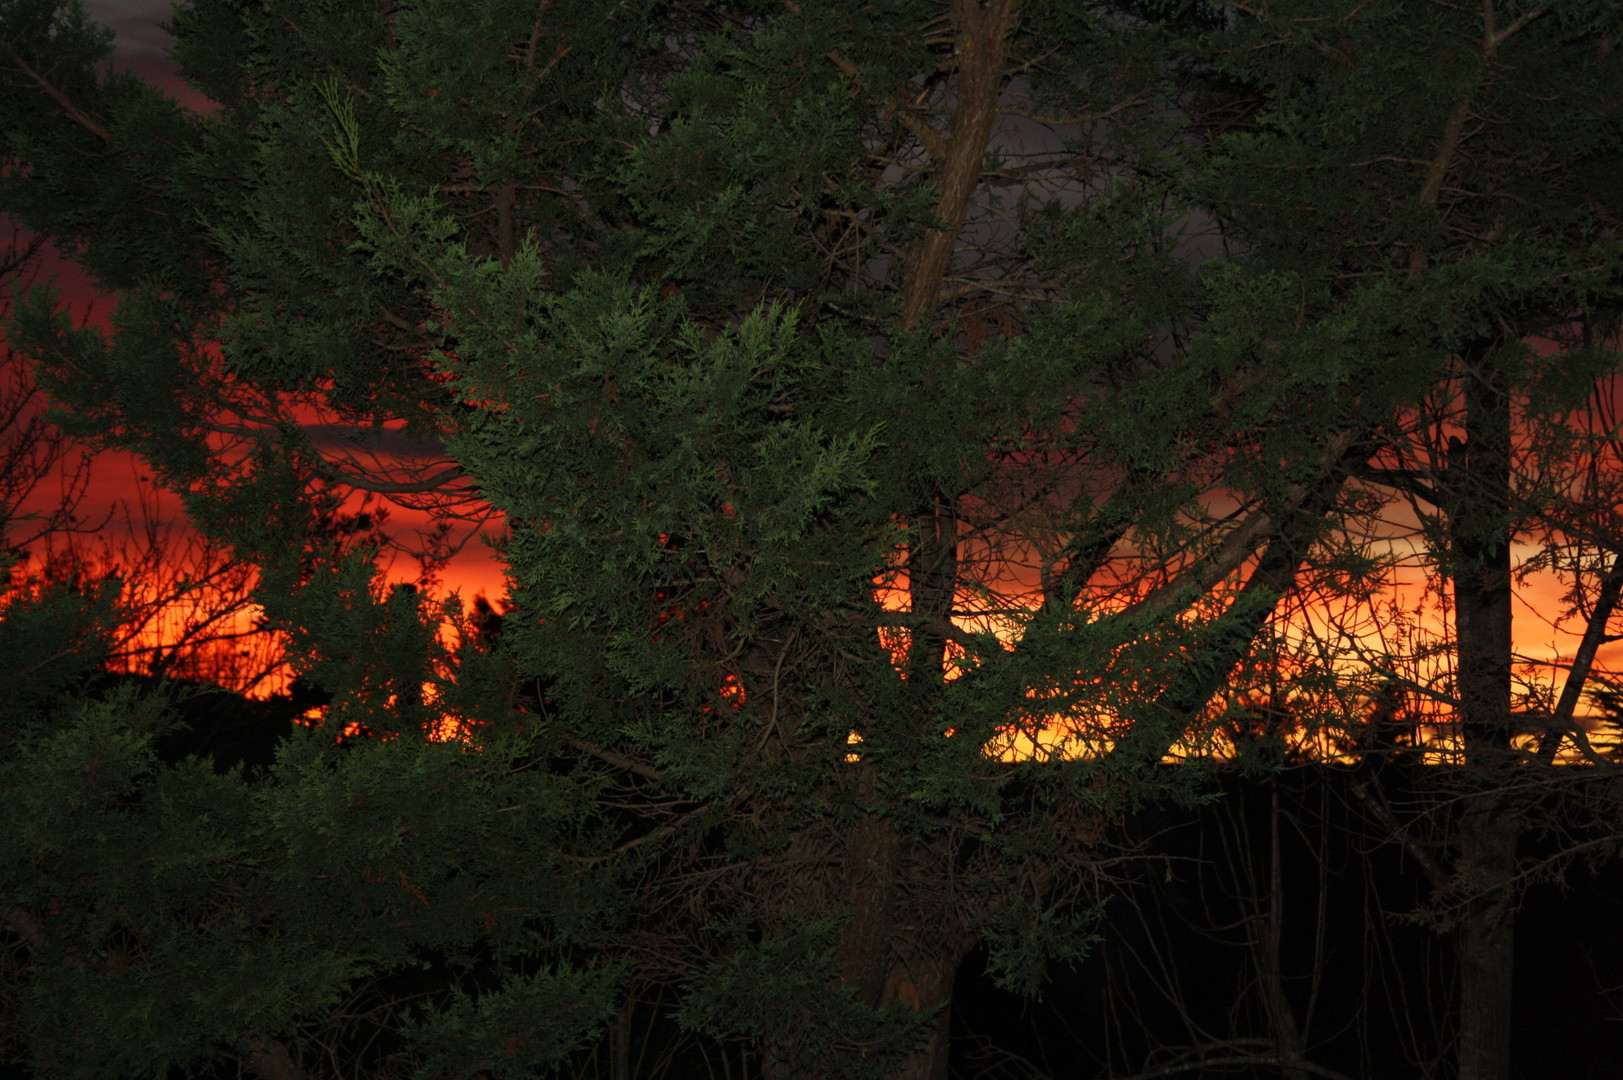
point(892, 475)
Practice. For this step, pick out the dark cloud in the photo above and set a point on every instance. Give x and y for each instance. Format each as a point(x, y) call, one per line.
point(141, 46)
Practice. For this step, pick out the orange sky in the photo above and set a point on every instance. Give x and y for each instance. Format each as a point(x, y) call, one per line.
point(119, 485)
point(120, 493)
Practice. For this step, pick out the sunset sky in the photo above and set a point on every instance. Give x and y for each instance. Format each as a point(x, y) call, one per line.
point(117, 479)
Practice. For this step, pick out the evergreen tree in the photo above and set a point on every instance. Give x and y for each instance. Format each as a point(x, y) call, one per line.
point(892, 474)
point(1427, 202)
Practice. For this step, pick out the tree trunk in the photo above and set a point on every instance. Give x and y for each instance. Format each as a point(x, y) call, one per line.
point(1485, 943)
point(871, 860)
point(1267, 933)
point(1480, 533)
point(270, 1059)
point(621, 1066)
point(925, 982)
point(892, 955)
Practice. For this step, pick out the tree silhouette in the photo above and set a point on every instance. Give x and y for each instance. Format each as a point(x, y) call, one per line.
point(886, 497)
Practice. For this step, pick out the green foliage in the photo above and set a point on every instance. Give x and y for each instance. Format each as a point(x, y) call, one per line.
point(784, 994)
point(840, 443)
point(178, 911)
point(536, 1020)
point(55, 637)
point(1027, 938)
